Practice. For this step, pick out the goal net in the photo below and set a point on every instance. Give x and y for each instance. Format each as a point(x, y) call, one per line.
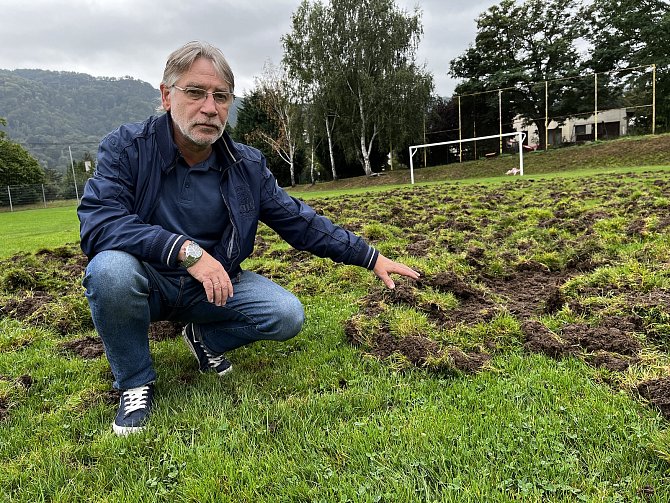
point(520, 136)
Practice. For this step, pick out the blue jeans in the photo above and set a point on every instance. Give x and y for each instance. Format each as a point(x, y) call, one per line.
point(126, 295)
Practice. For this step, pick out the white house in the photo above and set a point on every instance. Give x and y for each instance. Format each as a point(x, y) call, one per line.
point(611, 124)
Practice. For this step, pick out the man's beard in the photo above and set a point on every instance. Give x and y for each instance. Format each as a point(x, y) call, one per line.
point(200, 140)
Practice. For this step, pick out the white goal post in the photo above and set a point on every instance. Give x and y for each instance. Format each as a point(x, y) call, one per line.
point(519, 134)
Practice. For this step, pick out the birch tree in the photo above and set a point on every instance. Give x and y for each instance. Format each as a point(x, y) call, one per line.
point(305, 61)
point(278, 100)
point(356, 53)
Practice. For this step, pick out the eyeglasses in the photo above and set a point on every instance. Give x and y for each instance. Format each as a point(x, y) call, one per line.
point(197, 94)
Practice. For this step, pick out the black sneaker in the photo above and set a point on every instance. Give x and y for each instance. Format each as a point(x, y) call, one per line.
point(207, 360)
point(134, 409)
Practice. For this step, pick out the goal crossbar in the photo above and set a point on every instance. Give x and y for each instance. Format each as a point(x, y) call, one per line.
point(520, 134)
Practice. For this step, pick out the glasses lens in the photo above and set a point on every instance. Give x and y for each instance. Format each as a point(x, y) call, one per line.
point(194, 93)
point(223, 98)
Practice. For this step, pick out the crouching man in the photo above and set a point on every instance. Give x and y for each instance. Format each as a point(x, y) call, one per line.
point(166, 221)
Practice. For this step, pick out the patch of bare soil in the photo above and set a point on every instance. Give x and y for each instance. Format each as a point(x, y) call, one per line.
point(609, 345)
point(610, 362)
point(531, 291)
point(420, 246)
point(539, 339)
point(21, 308)
point(415, 348)
point(611, 336)
point(472, 362)
point(87, 348)
point(448, 282)
point(163, 330)
point(420, 351)
point(657, 392)
point(25, 381)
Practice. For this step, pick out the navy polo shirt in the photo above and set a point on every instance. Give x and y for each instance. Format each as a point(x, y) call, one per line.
point(190, 203)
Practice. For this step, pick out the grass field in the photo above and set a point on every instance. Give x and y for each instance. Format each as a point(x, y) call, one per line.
point(530, 363)
point(31, 230)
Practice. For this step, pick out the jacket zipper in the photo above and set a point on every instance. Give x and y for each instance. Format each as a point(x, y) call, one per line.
point(233, 234)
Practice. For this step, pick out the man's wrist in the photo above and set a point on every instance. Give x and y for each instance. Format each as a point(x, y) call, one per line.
point(190, 254)
point(182, 251)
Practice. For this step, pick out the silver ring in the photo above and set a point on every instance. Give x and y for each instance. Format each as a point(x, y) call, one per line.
point(217, 283)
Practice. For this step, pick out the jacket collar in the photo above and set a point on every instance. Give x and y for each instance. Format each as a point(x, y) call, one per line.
point(226, 149)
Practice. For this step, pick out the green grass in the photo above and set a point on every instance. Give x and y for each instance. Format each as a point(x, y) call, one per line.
point(318, 419)
point(31, 230)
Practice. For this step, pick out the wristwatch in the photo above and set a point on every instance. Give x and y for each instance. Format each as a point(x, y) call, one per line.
point(193, 253)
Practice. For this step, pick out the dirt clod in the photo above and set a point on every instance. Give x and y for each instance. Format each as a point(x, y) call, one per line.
point(86, 347)
point(658, 393)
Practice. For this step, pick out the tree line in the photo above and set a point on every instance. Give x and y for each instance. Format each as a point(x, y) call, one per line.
point(348, 97)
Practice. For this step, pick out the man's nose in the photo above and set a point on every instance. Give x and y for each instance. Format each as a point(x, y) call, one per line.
point(209, 105)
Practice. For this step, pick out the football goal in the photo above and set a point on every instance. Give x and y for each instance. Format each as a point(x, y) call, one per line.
point(520, 136)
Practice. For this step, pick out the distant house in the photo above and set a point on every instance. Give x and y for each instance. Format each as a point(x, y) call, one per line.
point(611, 124)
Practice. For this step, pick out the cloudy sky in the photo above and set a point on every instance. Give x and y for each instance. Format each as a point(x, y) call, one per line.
point(115, 38)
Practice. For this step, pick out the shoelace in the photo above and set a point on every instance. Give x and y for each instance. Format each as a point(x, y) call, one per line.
point(135, 399)
point(214, 361)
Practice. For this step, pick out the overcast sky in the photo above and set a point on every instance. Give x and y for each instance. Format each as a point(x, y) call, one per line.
point(116, 38)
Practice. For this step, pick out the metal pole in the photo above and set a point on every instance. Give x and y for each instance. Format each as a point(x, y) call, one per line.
point(546, 115)
point(460, 134)
point(500, 118)
point(653, 99)
point(425, 152)
point(9, 192)
point(411, 165)
point(44, 196)
point(595, 137)
point(74, 177)
point(520, 153)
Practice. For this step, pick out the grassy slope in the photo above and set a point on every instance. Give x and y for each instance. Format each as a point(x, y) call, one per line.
point(621, 153)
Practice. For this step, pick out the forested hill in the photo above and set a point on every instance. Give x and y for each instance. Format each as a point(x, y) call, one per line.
point(48, 111)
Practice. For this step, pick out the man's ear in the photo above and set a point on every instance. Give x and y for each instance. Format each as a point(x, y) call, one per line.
point(165, 97)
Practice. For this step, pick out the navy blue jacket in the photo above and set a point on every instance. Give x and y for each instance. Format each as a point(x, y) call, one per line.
point(120, 198)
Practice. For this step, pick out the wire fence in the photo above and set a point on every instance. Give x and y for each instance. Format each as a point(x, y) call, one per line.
point(22, 197)
point(552, 113)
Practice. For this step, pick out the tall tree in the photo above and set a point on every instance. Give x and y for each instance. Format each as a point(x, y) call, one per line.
point(355, 55)
point(630, 33)
point(252, 117)
point(519, 44)
point(278, 98)
point(17, 166)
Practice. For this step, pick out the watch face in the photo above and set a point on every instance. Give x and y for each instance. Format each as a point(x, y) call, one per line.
point(192, 253)
point(193, 250)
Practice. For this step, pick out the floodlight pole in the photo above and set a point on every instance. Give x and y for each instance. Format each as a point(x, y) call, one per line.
point(595, 137)
point(460, 136)
point(653, 99)
point(520, 142)
point(500, 119)
point(74, 177)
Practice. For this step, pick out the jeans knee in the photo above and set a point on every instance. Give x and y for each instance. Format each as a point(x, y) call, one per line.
point(115, 274)
point(291, 317)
